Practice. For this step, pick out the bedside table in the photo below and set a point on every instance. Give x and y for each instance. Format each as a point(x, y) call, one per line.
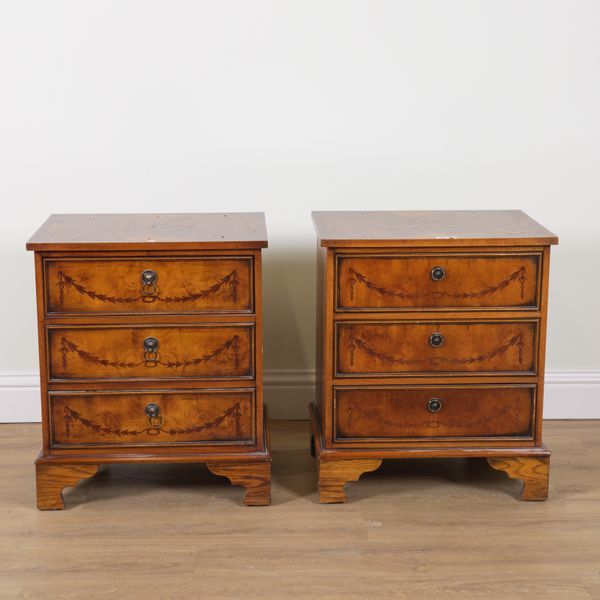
point(150, 343)
point(431, 334)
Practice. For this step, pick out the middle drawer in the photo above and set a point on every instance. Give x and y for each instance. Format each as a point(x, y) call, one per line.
point(391, 348)
point(150, 352)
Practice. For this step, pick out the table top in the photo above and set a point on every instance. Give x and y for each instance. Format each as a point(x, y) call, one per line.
point(159, 231)
point(429, 228)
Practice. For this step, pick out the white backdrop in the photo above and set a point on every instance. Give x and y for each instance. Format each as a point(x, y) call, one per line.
point(284, 107)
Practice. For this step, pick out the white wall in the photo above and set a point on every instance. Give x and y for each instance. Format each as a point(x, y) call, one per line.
point(297, 105)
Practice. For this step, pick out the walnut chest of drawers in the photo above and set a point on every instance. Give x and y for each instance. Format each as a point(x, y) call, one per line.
point(150, 342)
point(431, 331)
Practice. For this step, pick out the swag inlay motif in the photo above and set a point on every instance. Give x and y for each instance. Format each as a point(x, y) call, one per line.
point(230, 346)
point(355, 277)
point(355, 344)
point(233, 413)
point(437, 422)
point(229, 282)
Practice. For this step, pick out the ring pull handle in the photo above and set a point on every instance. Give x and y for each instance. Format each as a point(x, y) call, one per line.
point(438, 273)
point(149, 289)
point(434, 405)
point(152, 411)
point(436, 340)
point(151, 352)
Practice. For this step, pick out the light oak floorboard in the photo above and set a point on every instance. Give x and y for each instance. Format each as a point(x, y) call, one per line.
point(434, 529)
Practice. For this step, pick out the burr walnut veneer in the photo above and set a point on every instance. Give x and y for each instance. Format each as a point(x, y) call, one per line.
point(150, 339)
point(431, 334)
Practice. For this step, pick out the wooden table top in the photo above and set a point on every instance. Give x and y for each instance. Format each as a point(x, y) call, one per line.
point(430, 228)
point(159, 231)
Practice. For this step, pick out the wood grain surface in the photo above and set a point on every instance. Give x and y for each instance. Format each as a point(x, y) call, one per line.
point(388, 413)
point(429, 529)
point(369, 349)
point(533, 472)
point(255, 478)
point(376, 282)
point(335, 474)
point(119, 418)
point(51, 480)
point(430, 228)
point(158, 231)
point(224, 351)
point(214, 284)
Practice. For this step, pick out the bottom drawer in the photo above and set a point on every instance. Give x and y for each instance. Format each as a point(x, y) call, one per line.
point(151, 418)
point(399, 413)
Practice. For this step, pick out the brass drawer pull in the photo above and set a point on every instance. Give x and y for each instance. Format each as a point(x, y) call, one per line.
point(150, 344)
point(152, 410)
point(438, 273)
point(149, 289)
point(151, 352)
point(148, 277)
point(436, 340)
point(434, 405)
point(154, 419)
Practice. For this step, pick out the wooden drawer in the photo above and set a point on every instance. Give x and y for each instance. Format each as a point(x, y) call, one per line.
point(387, 282)
point(120, 418)
point(150, 352)
point(394, 413)
point(391, 348)
point(210, 284)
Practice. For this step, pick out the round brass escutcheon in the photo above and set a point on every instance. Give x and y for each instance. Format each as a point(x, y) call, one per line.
point(438, 273)
point(434, 405)
point(150, 344)
point(152, 410)
point(436, 340)
point(148, 277)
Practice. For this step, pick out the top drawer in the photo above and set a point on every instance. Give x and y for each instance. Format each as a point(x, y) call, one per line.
point(210, 284)
point(388, 282)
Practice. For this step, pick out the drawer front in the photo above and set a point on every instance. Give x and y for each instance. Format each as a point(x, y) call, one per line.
point(392, 282)
point(151, 352)
point(130, 418)
point(392, 413)
point(152, 285)
point(367, 349)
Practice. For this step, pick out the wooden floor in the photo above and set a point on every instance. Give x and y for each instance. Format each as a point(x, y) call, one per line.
point(412, 530)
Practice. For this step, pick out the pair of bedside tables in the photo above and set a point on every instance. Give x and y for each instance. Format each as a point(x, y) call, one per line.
point(431, 341)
